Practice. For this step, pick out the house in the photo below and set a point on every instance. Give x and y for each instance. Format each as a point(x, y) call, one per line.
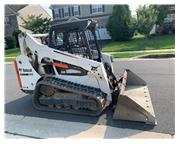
point(15, 13)
point(169, 21)
point(171, 15)
point(100, 13)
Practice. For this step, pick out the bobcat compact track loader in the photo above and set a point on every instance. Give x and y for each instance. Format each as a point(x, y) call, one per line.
point(70, 74)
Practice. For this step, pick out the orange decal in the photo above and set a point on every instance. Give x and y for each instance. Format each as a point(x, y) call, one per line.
point(61, 65)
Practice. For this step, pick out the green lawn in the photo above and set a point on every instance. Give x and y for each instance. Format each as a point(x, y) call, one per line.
point(9, 59)
point(138, 43)
point(12, 52)
point(134, 54)
point(141, 43)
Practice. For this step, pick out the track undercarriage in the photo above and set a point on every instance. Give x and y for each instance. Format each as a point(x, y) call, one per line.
point(53, 94)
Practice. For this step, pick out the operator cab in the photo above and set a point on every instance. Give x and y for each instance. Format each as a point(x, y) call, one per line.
point(76, 37)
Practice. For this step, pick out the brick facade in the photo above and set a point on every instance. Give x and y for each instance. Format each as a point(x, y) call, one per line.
point(85, 11)
point(13, 25)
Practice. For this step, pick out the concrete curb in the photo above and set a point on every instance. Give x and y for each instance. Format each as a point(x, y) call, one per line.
point(10, 57)
point(139, 59)
point(157, 56)
point(140, 51)
point(119, 59)
point(8, 62)
point(122, 59)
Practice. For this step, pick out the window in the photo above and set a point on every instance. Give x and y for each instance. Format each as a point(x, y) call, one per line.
point(92, 44)
point(76, 10)
point(7, 20)
point(57, 39)
point(90, 38)
point(56, 13)
point(96, 8)
point(66, 11)
point(71, 41)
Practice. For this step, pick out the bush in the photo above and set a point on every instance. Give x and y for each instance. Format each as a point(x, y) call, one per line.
point(15, 34)
point(120, 24)
point(10, 42)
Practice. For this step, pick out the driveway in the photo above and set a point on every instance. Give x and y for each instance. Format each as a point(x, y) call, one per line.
point(159, 74)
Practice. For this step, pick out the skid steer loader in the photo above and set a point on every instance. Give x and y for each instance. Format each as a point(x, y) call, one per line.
point(69, 73)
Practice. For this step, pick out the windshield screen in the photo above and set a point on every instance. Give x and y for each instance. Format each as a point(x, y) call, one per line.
point(76, 42)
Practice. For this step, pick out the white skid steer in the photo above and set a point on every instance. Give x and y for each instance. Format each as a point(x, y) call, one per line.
point(67, 72)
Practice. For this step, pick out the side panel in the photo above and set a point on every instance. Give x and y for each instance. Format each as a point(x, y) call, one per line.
point(106, 58)
point(26, 74)
point(96, 76)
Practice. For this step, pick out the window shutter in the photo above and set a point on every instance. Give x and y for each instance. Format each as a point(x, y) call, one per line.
point(72, 11)
point(90, 9)
point(9, 20)
point(79, 10)
point(60, 15)
point(62, 12)
point(69, 11)
point(53, 14)
point(103, 8)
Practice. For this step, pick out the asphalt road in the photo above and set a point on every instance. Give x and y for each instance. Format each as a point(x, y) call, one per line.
point(159, 74)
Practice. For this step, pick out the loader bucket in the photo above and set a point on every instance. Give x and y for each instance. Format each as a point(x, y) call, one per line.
point(134, 102)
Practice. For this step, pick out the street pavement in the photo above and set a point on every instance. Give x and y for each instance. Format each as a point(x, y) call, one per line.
point(159, 74)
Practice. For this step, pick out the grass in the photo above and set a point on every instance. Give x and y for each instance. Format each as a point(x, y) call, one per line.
point(138, 35)
point(141, 43)
point(121, 55)
point(12, 52)
point(9, 59)
point(134, 54)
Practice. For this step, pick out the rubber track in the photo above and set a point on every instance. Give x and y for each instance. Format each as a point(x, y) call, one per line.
point(94, 93)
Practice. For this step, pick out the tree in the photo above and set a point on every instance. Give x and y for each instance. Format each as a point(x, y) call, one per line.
point(163, 26)
point(37, 24)
point(162, 11)
point(146, 18)
point(120, 25)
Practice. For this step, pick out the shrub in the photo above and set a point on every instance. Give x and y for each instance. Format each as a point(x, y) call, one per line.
point(120, 24)
point(10, 42)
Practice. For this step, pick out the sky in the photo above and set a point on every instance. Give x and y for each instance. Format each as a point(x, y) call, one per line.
point(132, 8)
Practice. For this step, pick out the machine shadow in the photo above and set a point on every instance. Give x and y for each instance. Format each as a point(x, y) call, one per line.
point(23, 106)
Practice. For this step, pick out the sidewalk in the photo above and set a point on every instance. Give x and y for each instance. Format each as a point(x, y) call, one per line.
point(18, 126)
point(117, 59)
point(9, 57)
